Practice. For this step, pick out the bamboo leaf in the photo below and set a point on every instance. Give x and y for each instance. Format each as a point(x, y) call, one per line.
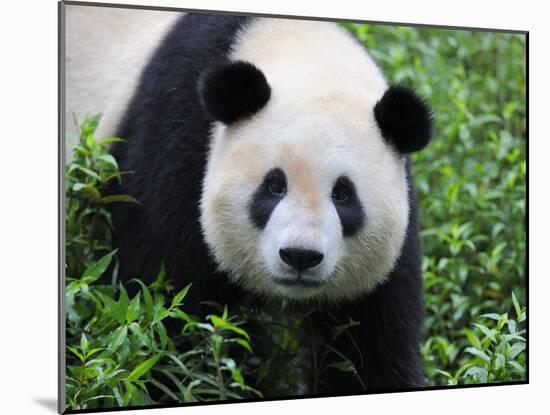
point(144, 367)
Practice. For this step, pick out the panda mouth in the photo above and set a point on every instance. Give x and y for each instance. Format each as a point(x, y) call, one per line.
point(298, 282)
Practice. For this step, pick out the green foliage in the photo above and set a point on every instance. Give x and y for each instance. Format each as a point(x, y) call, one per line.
point(118, 349)
point(471, 183)
point(497, 346)
point(87, 177)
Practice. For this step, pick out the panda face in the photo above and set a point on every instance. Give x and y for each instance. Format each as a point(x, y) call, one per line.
point(305, 204)
point(305, 194)
point(304, 220)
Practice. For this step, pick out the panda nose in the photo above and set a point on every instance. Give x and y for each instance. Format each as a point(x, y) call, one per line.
point(301, 259)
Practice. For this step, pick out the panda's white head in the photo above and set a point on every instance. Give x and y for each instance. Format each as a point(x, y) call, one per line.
point(305, 193)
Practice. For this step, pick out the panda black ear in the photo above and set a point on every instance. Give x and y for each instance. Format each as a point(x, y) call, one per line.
point(405, 120)
point(233, 91)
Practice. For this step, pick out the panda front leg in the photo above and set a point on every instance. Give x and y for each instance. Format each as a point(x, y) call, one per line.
point(385, 346)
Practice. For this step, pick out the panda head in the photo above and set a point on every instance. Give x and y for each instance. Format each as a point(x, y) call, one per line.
point(305, 195)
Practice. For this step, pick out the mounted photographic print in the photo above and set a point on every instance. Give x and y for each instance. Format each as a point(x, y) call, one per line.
point(271, 207)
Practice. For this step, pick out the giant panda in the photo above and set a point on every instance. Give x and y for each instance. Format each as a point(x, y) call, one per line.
point(270, 159)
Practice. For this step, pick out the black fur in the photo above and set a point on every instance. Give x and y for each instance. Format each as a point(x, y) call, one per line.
point(233, 91)
point(167, 132)
point(350, 211)
point(265, 200)
point(404, 119)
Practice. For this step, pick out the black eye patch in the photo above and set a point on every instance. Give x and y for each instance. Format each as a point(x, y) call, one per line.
point(348, 206)
point(267, 196)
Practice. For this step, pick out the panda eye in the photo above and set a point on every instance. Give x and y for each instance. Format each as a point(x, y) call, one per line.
point(275, 183)
point(343, 190)
point(341, 194)
point(276, 187)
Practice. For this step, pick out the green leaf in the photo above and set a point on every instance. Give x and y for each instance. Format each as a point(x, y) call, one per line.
point(87, 172)
point(463, 369)
point(517, 307)
point(131, 391)
point(147, 299)
point(512, 327)
point(110, 140)
point(109, 159)
point(79, 150)
point(96, 270)
point(94, 351)
point(446, 374)
point(179, 363)
point(489, 333)
point(515, 350)
point(188, 397)
point(492, 316)
point(176, 382)
point(118, 337)
point(84, 344)
point(244, 344)
point(163, 335)
point(136, 330)
point(144, 367)
point(88, 190)
point(113, 307)
point(500, 361)
point(89, 125)
point(79, 186)
point(502, 321)
point(92, 192)
point(166, 390)
point(521, 369)
point(123, 302)
point(216, 342)
point(159, 281)
point(132, 312)
point(177, 313)
point(118, 198)
point(180, 296)
point(343, 366)
point(338, 330)
point(77, 354)
point(478, 353)
point(161, 314)
point(114, 175)
point(472, 338)
point(118, 396)
point(479, 373)
point(222, 324)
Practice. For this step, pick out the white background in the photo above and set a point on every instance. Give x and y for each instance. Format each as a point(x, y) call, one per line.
point(28, 203)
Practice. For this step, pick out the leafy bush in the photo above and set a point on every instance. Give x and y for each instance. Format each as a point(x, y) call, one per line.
point(497, 344)
point(118, 350)
point(87, 176)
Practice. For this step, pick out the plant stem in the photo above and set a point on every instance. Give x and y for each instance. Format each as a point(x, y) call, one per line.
point(219, 377)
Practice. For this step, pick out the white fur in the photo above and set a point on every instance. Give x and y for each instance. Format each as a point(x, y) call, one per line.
point(106, 50)
point(318, 125)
